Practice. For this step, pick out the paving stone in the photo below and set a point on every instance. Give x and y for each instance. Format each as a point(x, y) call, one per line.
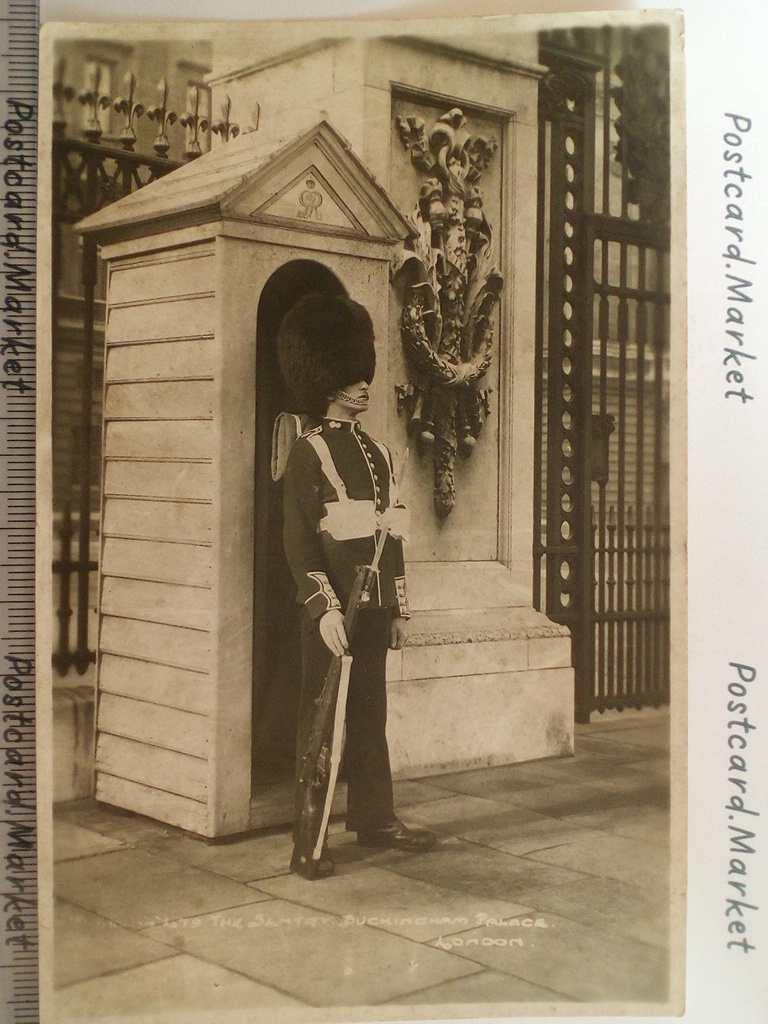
point(244, 860)
point(566, 799)
point(86, 945)
point(499, 825)
point(486, 987)
point(408, 792)
point(648, 718)
point(609, 905)
point(640, 788)
point(641, 791)
point(650, 765)
point(404, 906)
point(584, 770)
point(135, 888)
point(609, 752)
point(651, 739)
point(493, 783)
point(71, 841)
point(312, 956)
point(649, 824)
point(630, 789)
point(516, 836)
point(602, 748)
point(557, 800)
point(606, 856)
point(578, 960)
point(522, 832)
point(480, 871)
point(179, 985)
point(635, 731)
point(454, 814)
point(130, 828)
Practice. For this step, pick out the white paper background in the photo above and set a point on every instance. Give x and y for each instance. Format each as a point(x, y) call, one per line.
point(726, 71)
point(728, 486)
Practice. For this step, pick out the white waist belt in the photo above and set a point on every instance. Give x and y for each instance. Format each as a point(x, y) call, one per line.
point(347, 520)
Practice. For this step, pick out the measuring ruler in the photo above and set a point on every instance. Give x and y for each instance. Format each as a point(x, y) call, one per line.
point(19, 958)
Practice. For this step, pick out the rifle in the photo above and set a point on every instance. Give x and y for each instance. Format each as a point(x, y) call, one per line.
point(320, 766)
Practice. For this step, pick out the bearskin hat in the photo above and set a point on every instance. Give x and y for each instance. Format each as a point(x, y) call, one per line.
point(325, 343)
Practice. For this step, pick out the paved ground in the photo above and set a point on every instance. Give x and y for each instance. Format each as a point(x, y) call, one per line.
point(549, 885)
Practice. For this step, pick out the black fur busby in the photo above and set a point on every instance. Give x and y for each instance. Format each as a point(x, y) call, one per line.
point(325, 343)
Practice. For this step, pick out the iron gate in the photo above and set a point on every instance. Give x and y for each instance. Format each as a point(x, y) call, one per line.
point(601, 550)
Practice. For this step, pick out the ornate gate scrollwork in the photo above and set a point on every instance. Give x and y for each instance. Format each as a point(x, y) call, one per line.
point(451, 288)
point(601, 492)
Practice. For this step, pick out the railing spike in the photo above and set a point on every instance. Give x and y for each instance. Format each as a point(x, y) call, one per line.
point(164, 118)
point(194, 123)
point(93, 98)
point(61, 94)
point(129, 110)
point(255, 115)
point(226, 128)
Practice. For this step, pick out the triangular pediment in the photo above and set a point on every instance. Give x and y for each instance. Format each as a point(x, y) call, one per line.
point(310, 198)
point(318, 183)
point(314, 183)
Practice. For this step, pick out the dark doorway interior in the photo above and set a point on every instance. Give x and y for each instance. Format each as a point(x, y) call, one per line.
point(276, 655)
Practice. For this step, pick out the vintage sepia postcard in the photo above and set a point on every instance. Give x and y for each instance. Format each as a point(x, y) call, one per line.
point(404, 295)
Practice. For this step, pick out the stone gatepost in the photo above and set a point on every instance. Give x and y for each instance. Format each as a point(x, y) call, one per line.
point(445, 122)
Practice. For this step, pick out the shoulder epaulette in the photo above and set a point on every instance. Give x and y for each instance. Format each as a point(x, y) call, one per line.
point(288, 428)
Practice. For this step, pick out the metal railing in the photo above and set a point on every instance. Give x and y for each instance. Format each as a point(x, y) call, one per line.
point(90, 171)
point(601, 548)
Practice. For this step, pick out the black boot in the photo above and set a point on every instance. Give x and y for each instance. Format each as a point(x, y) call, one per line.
point(398, 836)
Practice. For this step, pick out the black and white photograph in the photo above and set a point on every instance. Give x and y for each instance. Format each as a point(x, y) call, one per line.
point(366, 346)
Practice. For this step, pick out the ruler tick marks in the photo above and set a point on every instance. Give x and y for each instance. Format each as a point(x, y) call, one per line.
point(18, 123)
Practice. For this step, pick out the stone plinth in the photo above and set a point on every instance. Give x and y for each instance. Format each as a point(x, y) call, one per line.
point(484, 679)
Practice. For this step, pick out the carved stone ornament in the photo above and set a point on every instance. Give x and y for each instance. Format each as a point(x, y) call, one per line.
point(450, 289)
point(564, 90)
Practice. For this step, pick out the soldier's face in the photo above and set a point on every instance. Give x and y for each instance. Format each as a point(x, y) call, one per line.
point(353, 398)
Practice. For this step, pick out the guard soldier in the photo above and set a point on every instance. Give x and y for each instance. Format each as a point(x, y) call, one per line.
point(340, 490)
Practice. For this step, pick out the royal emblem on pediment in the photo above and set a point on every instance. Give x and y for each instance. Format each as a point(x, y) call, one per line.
point(309, 197)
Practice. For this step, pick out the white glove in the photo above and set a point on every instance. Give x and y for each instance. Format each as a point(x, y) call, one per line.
point(332, 631)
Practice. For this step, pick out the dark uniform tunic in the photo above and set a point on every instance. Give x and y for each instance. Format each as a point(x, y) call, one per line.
point(338, 484)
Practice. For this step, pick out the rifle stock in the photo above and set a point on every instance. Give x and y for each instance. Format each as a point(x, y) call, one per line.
point(317, 770)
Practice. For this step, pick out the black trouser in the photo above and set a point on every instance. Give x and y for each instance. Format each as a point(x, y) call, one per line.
point(366, 754)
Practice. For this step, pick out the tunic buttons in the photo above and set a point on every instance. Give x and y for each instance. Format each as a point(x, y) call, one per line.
point(372, 470)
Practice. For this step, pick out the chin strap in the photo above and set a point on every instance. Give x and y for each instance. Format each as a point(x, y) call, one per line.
point(357, 402)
